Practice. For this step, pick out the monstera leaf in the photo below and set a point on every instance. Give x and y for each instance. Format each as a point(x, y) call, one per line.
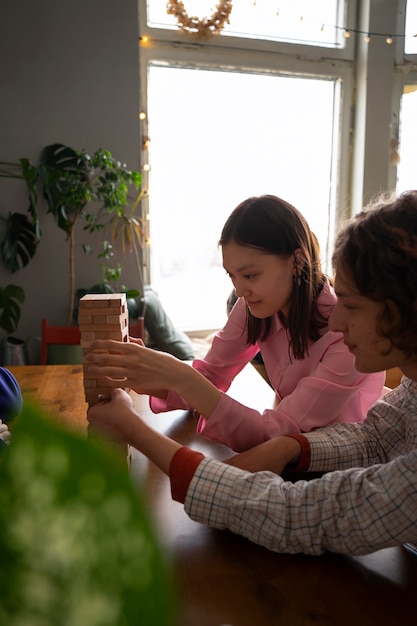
point(20, 241)
point(65, 183)
point(11, 299)
point(76, 542)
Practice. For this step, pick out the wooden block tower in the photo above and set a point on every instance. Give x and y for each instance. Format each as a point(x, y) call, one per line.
point(101, 316)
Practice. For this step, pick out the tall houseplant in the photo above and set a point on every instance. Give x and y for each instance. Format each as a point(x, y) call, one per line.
point(94, 190)
point(22, 235)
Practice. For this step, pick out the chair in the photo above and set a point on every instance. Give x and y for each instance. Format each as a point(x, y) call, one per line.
point(58, 336)
point(137, 329)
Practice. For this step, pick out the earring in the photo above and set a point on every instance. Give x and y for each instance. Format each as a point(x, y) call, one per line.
point(297, 277)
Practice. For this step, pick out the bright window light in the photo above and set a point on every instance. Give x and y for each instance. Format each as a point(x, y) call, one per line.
point(217, 138)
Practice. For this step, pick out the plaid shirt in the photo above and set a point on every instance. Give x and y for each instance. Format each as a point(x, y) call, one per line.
point(370, 505)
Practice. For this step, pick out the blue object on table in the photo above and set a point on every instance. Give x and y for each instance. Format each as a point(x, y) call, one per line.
point(10, 396)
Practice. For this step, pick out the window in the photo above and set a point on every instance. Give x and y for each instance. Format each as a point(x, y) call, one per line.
point(226, 123)
point(407, 144)
point(410, 46)
point(292, 21)
point(403, 147)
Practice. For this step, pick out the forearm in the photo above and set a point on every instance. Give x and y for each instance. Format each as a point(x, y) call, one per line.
point(274, 455)
point(156, 447)
point(199, 392)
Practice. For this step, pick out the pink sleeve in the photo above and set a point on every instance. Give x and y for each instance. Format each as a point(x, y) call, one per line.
point(170, 403)
point(229, 353)
point(326, 395)
point(227, 356)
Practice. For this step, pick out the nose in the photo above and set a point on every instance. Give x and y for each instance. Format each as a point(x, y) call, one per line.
point(241, 290)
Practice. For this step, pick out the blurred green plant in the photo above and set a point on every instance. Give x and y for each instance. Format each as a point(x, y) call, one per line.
point(76, 541)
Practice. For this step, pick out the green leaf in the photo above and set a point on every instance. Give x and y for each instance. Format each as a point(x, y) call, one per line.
point(11, 299)
point(20, 241)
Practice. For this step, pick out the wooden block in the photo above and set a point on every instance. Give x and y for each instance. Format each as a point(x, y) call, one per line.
point(101, 316)
point(121, 310)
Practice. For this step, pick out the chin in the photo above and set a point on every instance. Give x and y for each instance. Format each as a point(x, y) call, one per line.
point(365, 368)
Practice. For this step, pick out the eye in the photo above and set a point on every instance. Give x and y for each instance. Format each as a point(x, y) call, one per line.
point(250, 276)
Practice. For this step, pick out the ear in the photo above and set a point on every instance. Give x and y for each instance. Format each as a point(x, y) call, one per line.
point(299, 259)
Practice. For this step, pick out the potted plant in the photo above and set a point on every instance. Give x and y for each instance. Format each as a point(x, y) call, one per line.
point(77, 187)
point(12, 298)
point(93, 189)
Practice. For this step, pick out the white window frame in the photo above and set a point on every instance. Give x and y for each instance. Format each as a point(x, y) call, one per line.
point(347, 13)
point(405, 72)
point(175, 48)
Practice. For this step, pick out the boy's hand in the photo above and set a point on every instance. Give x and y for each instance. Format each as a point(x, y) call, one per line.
point(272, 455)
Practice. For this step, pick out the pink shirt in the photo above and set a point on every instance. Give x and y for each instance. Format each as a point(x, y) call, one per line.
point(323, 387)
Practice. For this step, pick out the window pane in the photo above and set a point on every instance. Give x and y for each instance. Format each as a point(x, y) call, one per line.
point(410, 46)
point(216, 139)
point(408, 140)
point(293, 21)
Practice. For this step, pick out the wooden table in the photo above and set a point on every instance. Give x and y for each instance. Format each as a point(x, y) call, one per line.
point(225, 579)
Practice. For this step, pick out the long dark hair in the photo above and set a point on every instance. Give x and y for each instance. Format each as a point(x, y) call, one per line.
point(377, 251)
point(274, 226)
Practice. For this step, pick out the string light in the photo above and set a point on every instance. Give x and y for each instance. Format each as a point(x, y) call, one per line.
point(368, 35)
point(209, 26)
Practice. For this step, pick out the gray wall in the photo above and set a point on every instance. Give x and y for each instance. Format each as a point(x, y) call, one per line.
point(69, 74)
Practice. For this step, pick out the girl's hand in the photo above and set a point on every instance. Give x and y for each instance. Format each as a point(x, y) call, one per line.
point(131, 364)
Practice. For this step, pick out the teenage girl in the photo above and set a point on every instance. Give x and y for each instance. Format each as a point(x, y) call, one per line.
point(284, 303)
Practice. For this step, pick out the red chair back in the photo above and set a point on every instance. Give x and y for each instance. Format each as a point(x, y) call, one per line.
point(57, 335)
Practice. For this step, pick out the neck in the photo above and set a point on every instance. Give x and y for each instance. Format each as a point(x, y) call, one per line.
point(410, 369)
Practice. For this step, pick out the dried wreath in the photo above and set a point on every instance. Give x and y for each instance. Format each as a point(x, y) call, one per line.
point(207, 26)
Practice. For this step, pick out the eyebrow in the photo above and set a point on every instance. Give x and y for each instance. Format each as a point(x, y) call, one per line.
point(346, 294)
point(243, 268)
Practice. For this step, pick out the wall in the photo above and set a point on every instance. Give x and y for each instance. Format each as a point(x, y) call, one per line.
point(69, 74)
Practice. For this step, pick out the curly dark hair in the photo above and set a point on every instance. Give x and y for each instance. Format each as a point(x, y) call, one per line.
point(377, 250)
point(274, 226)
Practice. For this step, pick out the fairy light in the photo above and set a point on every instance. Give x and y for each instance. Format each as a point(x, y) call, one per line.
point(367, 38)
point(347, 34)
point(389, 40)
point(142, 115)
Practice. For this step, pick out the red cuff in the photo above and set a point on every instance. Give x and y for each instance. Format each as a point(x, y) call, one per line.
point(305, 457)
point(181, 471)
